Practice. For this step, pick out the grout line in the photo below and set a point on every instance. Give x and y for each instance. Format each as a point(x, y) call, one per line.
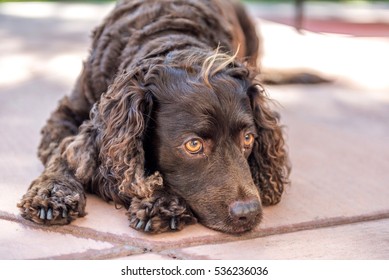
point(303, 226)
point(329, 222)
point(176, 253)
point(310, 225)
point(124, 245)
point(118, 251)
point(264, 232)
point(78, 231)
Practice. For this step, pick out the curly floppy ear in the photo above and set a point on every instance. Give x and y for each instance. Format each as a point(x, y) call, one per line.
point(122, 114)
point(268, 161)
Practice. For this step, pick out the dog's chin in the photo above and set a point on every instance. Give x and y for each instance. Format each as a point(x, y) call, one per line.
point(227, 226)
point(231, 229)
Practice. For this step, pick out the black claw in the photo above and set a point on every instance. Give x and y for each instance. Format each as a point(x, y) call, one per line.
point(173, 223)
point(140, 224)
point(133, 220)
point(64, 213)
point(42, 214)
point(148, 226)
point(49, 215)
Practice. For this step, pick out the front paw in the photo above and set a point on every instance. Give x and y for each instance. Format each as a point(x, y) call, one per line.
point(51, 202)
point(159, 213)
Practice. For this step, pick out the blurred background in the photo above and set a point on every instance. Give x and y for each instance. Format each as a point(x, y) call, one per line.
point(52, 26)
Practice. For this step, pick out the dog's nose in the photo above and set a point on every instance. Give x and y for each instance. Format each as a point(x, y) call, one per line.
point(244, 211)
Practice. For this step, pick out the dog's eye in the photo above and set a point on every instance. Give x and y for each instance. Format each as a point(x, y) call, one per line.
point(248, 139)
point(194, 146)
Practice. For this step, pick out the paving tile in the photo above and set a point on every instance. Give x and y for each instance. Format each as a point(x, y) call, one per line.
point(368, 240)
point(21, 121)
point(338, 152)
point(20, 242)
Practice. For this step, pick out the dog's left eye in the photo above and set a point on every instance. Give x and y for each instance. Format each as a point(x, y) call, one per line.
point(194, 146)
point(248, 139)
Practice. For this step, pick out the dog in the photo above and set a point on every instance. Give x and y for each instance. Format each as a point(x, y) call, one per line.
point(167, 119)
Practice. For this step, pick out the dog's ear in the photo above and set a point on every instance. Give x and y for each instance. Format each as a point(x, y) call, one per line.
point(123, 114)
point(268, 161)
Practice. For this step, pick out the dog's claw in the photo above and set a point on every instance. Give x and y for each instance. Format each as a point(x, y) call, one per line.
point(148, 226)
point(64, 213)
point(133, 220)
point(140, 224)
point(173, 223)
point(42, 214)
point(49, 215)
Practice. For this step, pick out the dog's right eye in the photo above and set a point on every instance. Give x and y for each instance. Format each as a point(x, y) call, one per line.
point(194, 146)
point(248, 140)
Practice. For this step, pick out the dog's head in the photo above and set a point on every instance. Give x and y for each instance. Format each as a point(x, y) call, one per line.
point(201, 122)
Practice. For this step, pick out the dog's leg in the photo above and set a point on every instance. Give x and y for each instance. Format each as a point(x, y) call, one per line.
point(159, 213)
point(71, 112)
point(57, 196)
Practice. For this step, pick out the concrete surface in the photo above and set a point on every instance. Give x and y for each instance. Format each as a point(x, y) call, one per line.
point(336, 208)
point(360, 18)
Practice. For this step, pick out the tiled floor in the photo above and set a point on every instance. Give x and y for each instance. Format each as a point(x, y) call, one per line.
point(336, 208)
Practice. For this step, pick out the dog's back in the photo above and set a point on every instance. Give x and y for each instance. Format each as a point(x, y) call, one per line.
point(139, 30)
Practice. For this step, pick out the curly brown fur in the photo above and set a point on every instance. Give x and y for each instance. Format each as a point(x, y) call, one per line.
point(153, 84)
point(269, 161)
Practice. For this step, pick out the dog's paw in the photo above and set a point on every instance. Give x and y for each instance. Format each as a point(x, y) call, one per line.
point(51, 202)
point(159, 214)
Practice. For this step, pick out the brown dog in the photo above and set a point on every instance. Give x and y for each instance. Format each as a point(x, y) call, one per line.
point(166, 119)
